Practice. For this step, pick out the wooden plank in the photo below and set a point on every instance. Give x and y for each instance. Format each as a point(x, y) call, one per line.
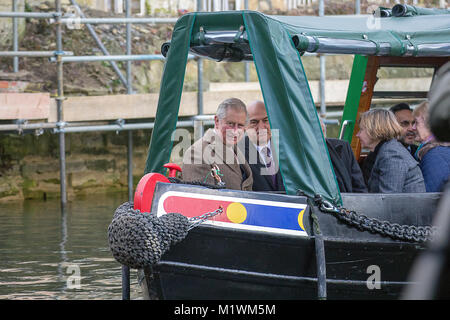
point(211, 100)
point(138, 106)
point(123, 106)
point(30, 106)
point(336, 90)
point(112, 107)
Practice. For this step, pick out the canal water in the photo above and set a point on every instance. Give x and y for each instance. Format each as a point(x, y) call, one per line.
point(47, 254)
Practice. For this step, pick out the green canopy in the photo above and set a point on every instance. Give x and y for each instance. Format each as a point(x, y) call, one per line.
point(275, 44)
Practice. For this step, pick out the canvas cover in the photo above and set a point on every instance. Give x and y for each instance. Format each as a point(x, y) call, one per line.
point(304, 161)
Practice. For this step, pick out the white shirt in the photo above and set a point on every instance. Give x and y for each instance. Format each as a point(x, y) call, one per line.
point(261, 156)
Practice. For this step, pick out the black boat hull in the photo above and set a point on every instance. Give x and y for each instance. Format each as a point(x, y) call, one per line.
point(214, 262)
point(278, 267)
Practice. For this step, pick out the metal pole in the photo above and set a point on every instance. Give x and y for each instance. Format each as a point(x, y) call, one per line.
point(100, 44)
point(15, 38)
point(56, 127)
point(247, 65)
point(113, 127)
point(200, 85)
point(200, 76)
point(357, 6)
point(130, 91)
point(128, 43)
point(59, 103)
point(126, 269)
point(323, 110)
point(133, 57)
point(35, 54)
point(121, 20)
point(130, 166)
point(36, 15)
point(125, 279)
point(323, 107)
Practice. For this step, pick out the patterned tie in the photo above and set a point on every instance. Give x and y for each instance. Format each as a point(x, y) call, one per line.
point(270, 167)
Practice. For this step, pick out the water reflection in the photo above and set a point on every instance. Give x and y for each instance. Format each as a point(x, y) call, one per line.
point(42, 247)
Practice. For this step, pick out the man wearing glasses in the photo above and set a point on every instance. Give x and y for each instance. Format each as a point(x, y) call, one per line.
point(215, 159)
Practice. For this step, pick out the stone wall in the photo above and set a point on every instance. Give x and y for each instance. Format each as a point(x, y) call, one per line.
point(95, 163)
point(6, 23)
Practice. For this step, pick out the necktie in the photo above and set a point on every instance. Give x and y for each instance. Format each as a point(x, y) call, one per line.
point(270, 167)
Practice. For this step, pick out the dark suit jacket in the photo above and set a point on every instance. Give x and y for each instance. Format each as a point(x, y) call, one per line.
point(346, 168)
point(260, 182)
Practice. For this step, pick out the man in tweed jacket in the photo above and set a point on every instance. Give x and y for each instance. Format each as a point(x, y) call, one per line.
point(215, 158)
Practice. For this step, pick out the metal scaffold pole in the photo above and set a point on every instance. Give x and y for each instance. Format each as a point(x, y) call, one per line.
point(59, 106)
point(323, 107)
point(129, 91)
point(200, 75)
point(247, 65)
point(15, 38)
point(126, 269)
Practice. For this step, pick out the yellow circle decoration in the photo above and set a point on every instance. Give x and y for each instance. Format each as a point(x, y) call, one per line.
point(300, 219)
point(236, 212)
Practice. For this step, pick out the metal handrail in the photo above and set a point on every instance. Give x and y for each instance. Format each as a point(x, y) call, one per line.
point(345, 124)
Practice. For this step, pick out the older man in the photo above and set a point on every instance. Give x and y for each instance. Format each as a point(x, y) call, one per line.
point(404, 116)
point(259, 153)
point(215, 158)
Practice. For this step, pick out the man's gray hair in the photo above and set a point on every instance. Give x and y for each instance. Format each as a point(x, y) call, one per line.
point(231, 103)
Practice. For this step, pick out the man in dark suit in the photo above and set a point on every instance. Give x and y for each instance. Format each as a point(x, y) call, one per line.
point(348, 173)
point(404, 116)
point(346, 168)
point(258, 147)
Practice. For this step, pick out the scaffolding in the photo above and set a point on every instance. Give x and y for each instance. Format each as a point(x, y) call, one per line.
point(59, 56)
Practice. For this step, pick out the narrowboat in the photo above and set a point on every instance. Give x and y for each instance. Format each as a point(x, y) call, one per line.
point(311, 242)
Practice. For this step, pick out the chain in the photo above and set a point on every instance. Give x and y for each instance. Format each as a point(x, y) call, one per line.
point(394, 230)
point(200, 219)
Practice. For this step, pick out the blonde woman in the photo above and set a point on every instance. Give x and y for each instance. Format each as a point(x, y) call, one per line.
point(433, 156)
point(394, 169)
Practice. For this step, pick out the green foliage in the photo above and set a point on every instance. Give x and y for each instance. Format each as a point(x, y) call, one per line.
point(148, 7)
point(28, 7)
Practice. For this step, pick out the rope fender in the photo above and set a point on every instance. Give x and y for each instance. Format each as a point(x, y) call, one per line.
point(139, 239)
